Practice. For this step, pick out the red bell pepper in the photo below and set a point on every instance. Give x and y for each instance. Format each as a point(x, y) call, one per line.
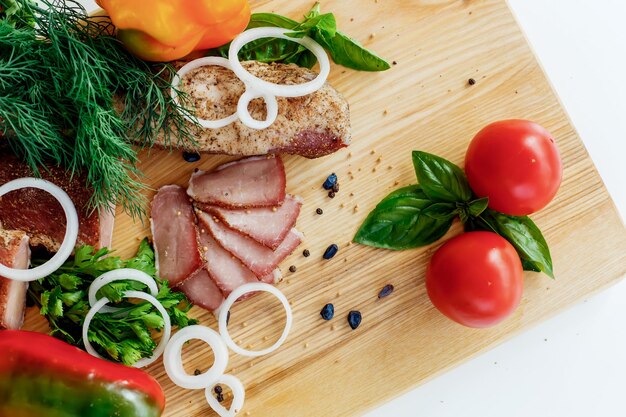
point(43, 376)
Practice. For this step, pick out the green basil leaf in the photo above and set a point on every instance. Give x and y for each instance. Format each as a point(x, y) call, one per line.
point(349, 53)
point(323, 22)
point(440, 179)
point(258, 20)
point(398, 222)
point(523, 234)
point(476, 207)
point(440, 210)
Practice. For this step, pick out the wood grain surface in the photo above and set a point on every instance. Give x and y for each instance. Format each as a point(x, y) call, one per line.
point(424, 102)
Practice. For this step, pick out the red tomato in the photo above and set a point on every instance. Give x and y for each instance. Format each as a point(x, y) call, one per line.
point(516, 164)
point(475, 279)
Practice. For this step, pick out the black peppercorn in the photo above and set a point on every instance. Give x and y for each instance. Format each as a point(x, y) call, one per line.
point(220, 398)
point(306, 253)
point(319, 211)
point(292, 268)
point(218, 389)
point(331, 194)
point(471, 81)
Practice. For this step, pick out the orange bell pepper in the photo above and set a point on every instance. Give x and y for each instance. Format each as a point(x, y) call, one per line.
point(165, 30)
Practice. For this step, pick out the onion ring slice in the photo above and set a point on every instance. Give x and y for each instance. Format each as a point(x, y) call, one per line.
point(190, 66)
point(71, 231)
point(239, 395)
point(173, 361)
point(165, 338)
point(261, 86)
point(245, 116)
point(124, 274)
point(234, 296)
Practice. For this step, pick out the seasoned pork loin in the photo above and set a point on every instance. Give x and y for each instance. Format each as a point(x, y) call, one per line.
point(14, 253)
point(250, 182)
point(312, 126)
point(174, 233)
point(41, 216)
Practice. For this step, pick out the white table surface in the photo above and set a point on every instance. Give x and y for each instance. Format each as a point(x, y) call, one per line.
point(574, 364)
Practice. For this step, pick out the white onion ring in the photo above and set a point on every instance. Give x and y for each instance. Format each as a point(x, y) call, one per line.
point(261, 86)
point(71, 230)
point(245, 116)
point(124, 274)
point(190, 66)
point(239, 395)
point(173, 361)
point(167, 327)
point(234, 296)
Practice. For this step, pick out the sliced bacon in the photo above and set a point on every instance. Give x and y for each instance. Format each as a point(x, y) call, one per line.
point(14, 253)
point(266, 225)
point(259, 258)
point(202, 290)
point(174, 234)
point(251, 182)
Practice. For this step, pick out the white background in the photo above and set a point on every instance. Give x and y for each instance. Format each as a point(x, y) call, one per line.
point(573, 365)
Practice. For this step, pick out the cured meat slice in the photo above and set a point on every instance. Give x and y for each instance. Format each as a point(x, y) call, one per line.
point(202, 290)
point(14, 253)
point(174, 233)
point(250, 182)
point(41, 216)
point(227, 271)
point(266, 225)
point(259, 258)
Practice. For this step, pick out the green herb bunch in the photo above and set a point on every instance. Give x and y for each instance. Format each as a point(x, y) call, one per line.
point(420, 214)
point(322, 28)
point(71, 95)
point(124, 336)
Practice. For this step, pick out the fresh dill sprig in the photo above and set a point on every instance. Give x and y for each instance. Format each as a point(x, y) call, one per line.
point(63, 300)
point(72, 95)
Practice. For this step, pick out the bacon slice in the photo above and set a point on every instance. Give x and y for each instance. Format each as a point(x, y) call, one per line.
point(251, 182)
point(14, 253)
point(266, 225)
point(259, 258)
point(174, 234)
point(202, 290)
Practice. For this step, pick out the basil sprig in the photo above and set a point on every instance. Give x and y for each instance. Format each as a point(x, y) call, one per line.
point(421, 214)
point(321, 27)
point(405, 219)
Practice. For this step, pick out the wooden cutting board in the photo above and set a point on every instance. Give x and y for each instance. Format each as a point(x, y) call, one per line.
point(424, 102)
